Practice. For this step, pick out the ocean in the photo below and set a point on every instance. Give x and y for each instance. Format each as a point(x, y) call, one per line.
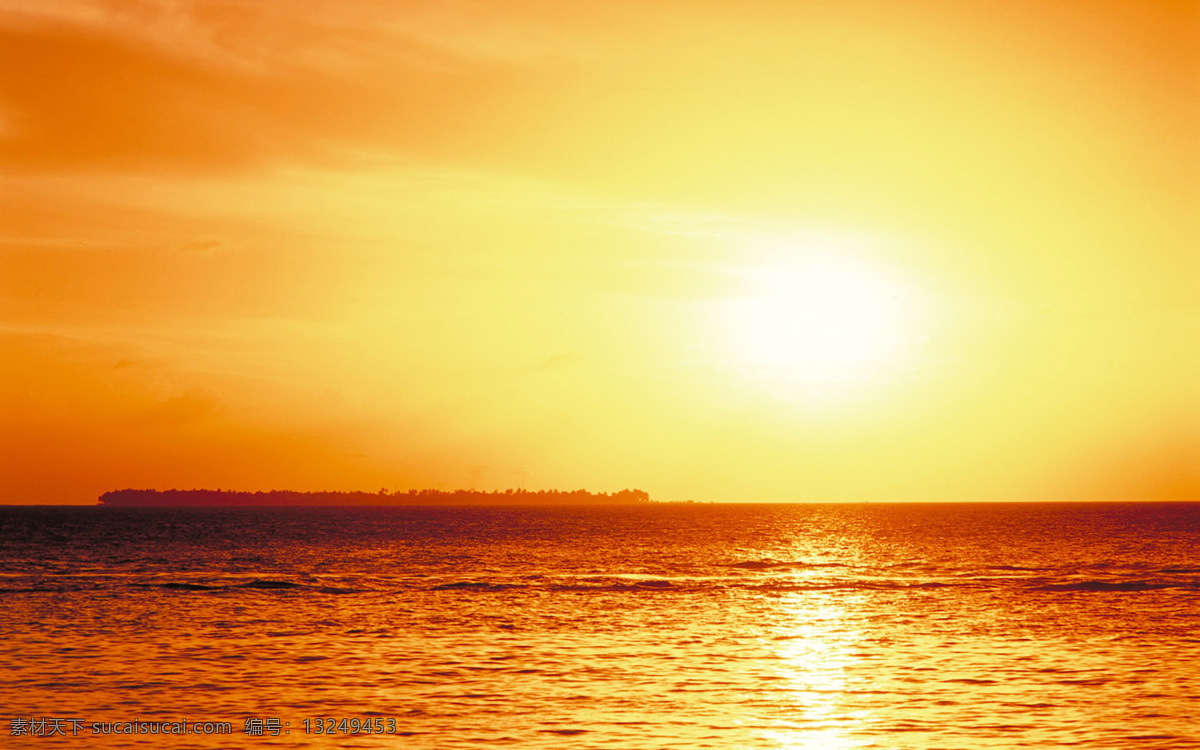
point(644, 626)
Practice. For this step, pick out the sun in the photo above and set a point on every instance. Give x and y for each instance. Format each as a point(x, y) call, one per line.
point(817, 319)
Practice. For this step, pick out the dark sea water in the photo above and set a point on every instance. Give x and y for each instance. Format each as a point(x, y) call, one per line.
point(687, 626)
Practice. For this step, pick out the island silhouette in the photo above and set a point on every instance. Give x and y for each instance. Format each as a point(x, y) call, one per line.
point(188, 498)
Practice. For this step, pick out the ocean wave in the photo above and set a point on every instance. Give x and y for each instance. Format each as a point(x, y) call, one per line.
point(187, 586)
point(475, 586)
point(269, 584)
point(774, 564)
point(1117, 585)
point(781, 580)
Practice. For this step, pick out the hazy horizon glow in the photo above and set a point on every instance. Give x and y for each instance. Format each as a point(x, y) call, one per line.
point(749, 251)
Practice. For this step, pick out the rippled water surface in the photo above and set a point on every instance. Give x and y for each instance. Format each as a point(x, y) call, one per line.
point(690, 626)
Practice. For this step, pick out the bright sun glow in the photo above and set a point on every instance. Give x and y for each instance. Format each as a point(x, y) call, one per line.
point(817, 320)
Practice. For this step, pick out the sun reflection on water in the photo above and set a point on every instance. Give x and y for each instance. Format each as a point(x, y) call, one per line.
point(816, 643)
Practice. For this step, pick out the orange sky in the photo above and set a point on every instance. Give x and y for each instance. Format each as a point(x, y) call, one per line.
point(743, 251)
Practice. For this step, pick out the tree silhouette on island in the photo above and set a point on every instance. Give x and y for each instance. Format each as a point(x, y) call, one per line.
point(187, 498)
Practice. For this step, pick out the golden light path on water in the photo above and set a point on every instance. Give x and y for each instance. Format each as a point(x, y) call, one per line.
point(816, 645)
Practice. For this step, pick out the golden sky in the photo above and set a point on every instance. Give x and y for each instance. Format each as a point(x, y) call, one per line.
point(728, 251)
